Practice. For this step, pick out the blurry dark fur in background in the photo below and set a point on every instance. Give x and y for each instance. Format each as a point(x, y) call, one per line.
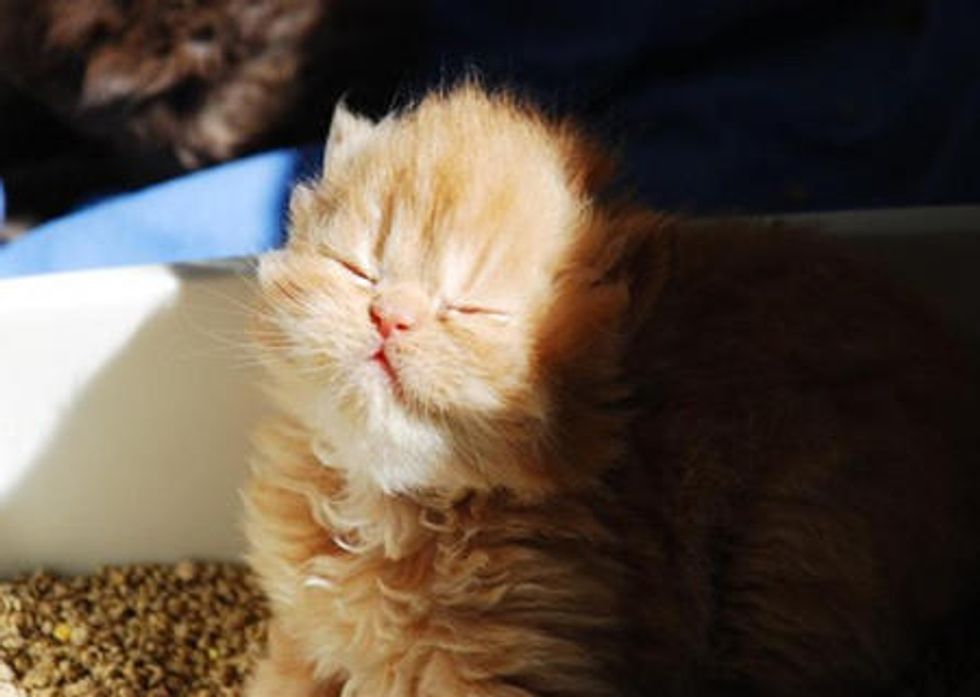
point(103, 94)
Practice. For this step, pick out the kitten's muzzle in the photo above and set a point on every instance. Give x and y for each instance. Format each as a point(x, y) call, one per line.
point(397, 309)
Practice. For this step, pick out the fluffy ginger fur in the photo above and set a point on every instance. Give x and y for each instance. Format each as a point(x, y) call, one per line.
point(605, 453)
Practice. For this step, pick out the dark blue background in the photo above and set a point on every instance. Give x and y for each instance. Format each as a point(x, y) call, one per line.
point(752, 105)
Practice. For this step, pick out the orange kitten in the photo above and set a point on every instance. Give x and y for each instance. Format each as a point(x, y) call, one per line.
point(535, 442)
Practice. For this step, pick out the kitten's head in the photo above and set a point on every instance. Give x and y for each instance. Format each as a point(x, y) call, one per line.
point(447, 310)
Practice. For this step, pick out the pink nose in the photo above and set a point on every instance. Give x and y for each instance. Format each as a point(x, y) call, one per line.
point(397, 311)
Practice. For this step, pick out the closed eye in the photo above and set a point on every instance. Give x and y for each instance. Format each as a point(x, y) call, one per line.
point(466, 309)
point(361, 277)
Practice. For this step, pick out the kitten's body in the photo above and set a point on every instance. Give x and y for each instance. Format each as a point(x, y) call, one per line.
point(602, 452)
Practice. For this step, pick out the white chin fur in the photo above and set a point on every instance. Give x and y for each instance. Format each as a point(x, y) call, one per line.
point(370, 436)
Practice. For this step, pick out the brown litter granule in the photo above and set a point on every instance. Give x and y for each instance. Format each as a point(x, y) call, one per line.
point(150, 630)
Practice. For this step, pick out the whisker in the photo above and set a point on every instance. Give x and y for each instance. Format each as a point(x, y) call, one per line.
point(248, 306)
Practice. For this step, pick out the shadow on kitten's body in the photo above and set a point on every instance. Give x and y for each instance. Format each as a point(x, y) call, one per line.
point(592, 450)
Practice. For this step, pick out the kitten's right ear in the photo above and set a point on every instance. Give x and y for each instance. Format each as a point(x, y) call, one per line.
point(302, 197)
point(348, 132)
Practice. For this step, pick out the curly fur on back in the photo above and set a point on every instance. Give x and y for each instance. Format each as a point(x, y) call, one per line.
point(536, 441)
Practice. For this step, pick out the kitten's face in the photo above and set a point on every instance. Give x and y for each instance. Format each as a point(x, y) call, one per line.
point(419, 274)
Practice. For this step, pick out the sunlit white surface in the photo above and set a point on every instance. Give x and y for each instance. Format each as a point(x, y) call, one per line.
point(56, 332)
point(126, 398)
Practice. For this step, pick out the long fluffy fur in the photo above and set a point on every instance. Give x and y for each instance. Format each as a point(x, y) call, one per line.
point(624, 454)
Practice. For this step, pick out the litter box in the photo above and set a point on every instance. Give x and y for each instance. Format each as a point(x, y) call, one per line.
point(127, 395)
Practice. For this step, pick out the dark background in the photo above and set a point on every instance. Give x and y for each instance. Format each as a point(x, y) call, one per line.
point(714, 105)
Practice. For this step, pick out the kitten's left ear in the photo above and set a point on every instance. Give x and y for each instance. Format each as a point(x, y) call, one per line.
point(348, 132)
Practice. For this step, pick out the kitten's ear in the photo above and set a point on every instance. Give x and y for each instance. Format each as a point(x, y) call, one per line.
point(348, 132)
point(301, 209)
point(302, 197)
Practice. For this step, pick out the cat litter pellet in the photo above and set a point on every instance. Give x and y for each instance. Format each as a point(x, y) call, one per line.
point(151, 630)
